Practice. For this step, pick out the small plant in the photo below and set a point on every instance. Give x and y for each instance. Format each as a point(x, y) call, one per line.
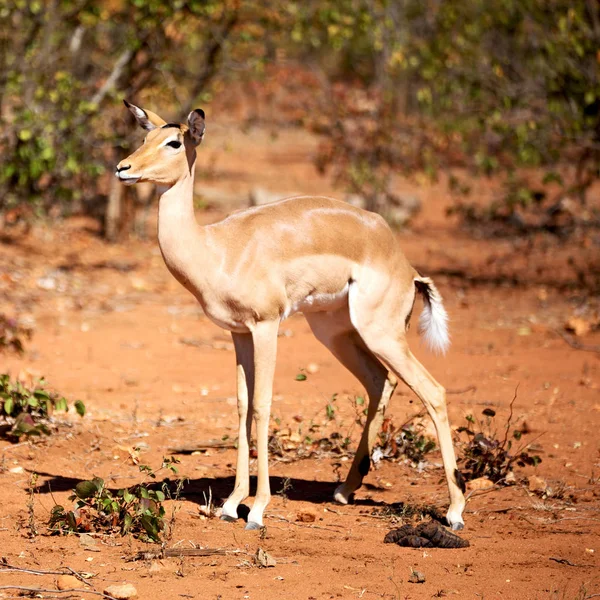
point(26, 412)
point(330, 408)
point(486, 456)
point(137, 510)
point(12, 334)
point(30, 505)
point(407, 440)
point(285, 488)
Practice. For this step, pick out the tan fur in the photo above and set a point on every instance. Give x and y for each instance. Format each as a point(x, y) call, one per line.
point(338, 264)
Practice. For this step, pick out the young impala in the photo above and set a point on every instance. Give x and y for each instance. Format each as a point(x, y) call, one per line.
point(339, 265)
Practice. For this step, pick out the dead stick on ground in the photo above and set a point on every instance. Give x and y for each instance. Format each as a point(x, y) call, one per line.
point(472, 493)
point(564, 561)
point(208, 445)
point(80, 577)
point(470, 388)
point(9, 567)
point(178, 552)
point(575, 344)
point(44, 591)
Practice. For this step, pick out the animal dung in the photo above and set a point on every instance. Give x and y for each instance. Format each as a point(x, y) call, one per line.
point(425, 535)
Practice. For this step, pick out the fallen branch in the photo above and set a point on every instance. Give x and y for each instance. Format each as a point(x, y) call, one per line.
point(469, 388)
point(472, 493)
point(178, 552)
point(46, 591)
point(575, 344)
point(12, 568)
point(202, 446)
point(564, 561)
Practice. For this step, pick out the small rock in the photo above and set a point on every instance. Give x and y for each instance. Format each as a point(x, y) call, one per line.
point(537, 484)
point(510, 478)
point(88, 542)
point(306, 516)
point(416, 577)
point(16, 470)
point(312, 368)
point(68, 582)
point(155, 567)
point(578, 326)
point(121, 592)
point(481, 483)
point(264, 559)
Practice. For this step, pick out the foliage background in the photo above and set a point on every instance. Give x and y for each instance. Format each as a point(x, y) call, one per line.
point(469, 88)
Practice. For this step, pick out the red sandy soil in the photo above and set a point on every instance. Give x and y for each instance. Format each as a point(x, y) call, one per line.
point(109, 331)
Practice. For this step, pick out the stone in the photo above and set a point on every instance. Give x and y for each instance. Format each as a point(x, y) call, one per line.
point(121, 591)
point(481, 483)
point(306, 516)
point(416, 577)
point(68, 582)
point(537, 484)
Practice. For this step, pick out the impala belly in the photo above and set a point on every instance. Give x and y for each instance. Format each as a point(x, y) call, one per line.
point(316, 302)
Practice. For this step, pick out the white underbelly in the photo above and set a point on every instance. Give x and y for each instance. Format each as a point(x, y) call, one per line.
point(318, 303)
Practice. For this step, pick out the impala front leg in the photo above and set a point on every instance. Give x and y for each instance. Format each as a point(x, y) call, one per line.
point(264, 337)
point(244, 356)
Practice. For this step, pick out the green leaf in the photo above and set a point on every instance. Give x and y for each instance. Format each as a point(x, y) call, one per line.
point(86, 489)
point(301, 377)
point(61, 404)
point(8, 406)
point(151, 526)
point(80, 408)
point(127, 523)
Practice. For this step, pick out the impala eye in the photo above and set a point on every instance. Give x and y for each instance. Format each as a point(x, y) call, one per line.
point(174, 144)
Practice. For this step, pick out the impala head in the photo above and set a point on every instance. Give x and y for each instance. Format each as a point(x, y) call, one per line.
point(168, 152)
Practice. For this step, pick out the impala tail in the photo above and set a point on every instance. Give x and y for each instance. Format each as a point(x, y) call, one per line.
point(433, 322)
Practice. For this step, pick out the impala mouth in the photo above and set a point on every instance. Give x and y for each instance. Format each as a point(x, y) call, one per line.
point(127, 179)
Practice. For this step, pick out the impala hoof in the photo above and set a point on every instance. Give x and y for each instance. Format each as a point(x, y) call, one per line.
point(342, 495)
point(228, 519)
point(251, 525)
point(454, 519)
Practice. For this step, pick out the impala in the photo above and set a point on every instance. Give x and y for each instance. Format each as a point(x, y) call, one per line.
point(339, 265)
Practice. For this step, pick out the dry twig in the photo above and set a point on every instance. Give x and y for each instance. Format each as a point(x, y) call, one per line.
point(45, 591)
point(574, 343)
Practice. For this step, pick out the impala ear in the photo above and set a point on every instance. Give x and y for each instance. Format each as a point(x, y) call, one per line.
point(146, 118)
point(196, 125)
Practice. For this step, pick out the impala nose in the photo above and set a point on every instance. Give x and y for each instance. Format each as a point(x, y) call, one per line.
point(122, 167)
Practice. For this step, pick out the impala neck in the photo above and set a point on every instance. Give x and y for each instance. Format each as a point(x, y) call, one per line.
point(178, 230)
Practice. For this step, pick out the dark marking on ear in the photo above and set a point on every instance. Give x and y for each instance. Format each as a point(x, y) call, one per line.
point(364, 466)
point(460, 480)
point(176, 125)
point(196, 125)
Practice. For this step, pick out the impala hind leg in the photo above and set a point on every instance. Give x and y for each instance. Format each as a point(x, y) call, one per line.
point(335, 331)
point(381, 320)
point(244, 355)
point(395, 353)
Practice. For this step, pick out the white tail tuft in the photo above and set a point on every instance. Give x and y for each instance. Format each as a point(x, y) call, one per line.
point(433, 322)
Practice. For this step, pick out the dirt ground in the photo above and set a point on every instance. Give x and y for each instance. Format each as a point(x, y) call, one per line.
point(113, 329)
